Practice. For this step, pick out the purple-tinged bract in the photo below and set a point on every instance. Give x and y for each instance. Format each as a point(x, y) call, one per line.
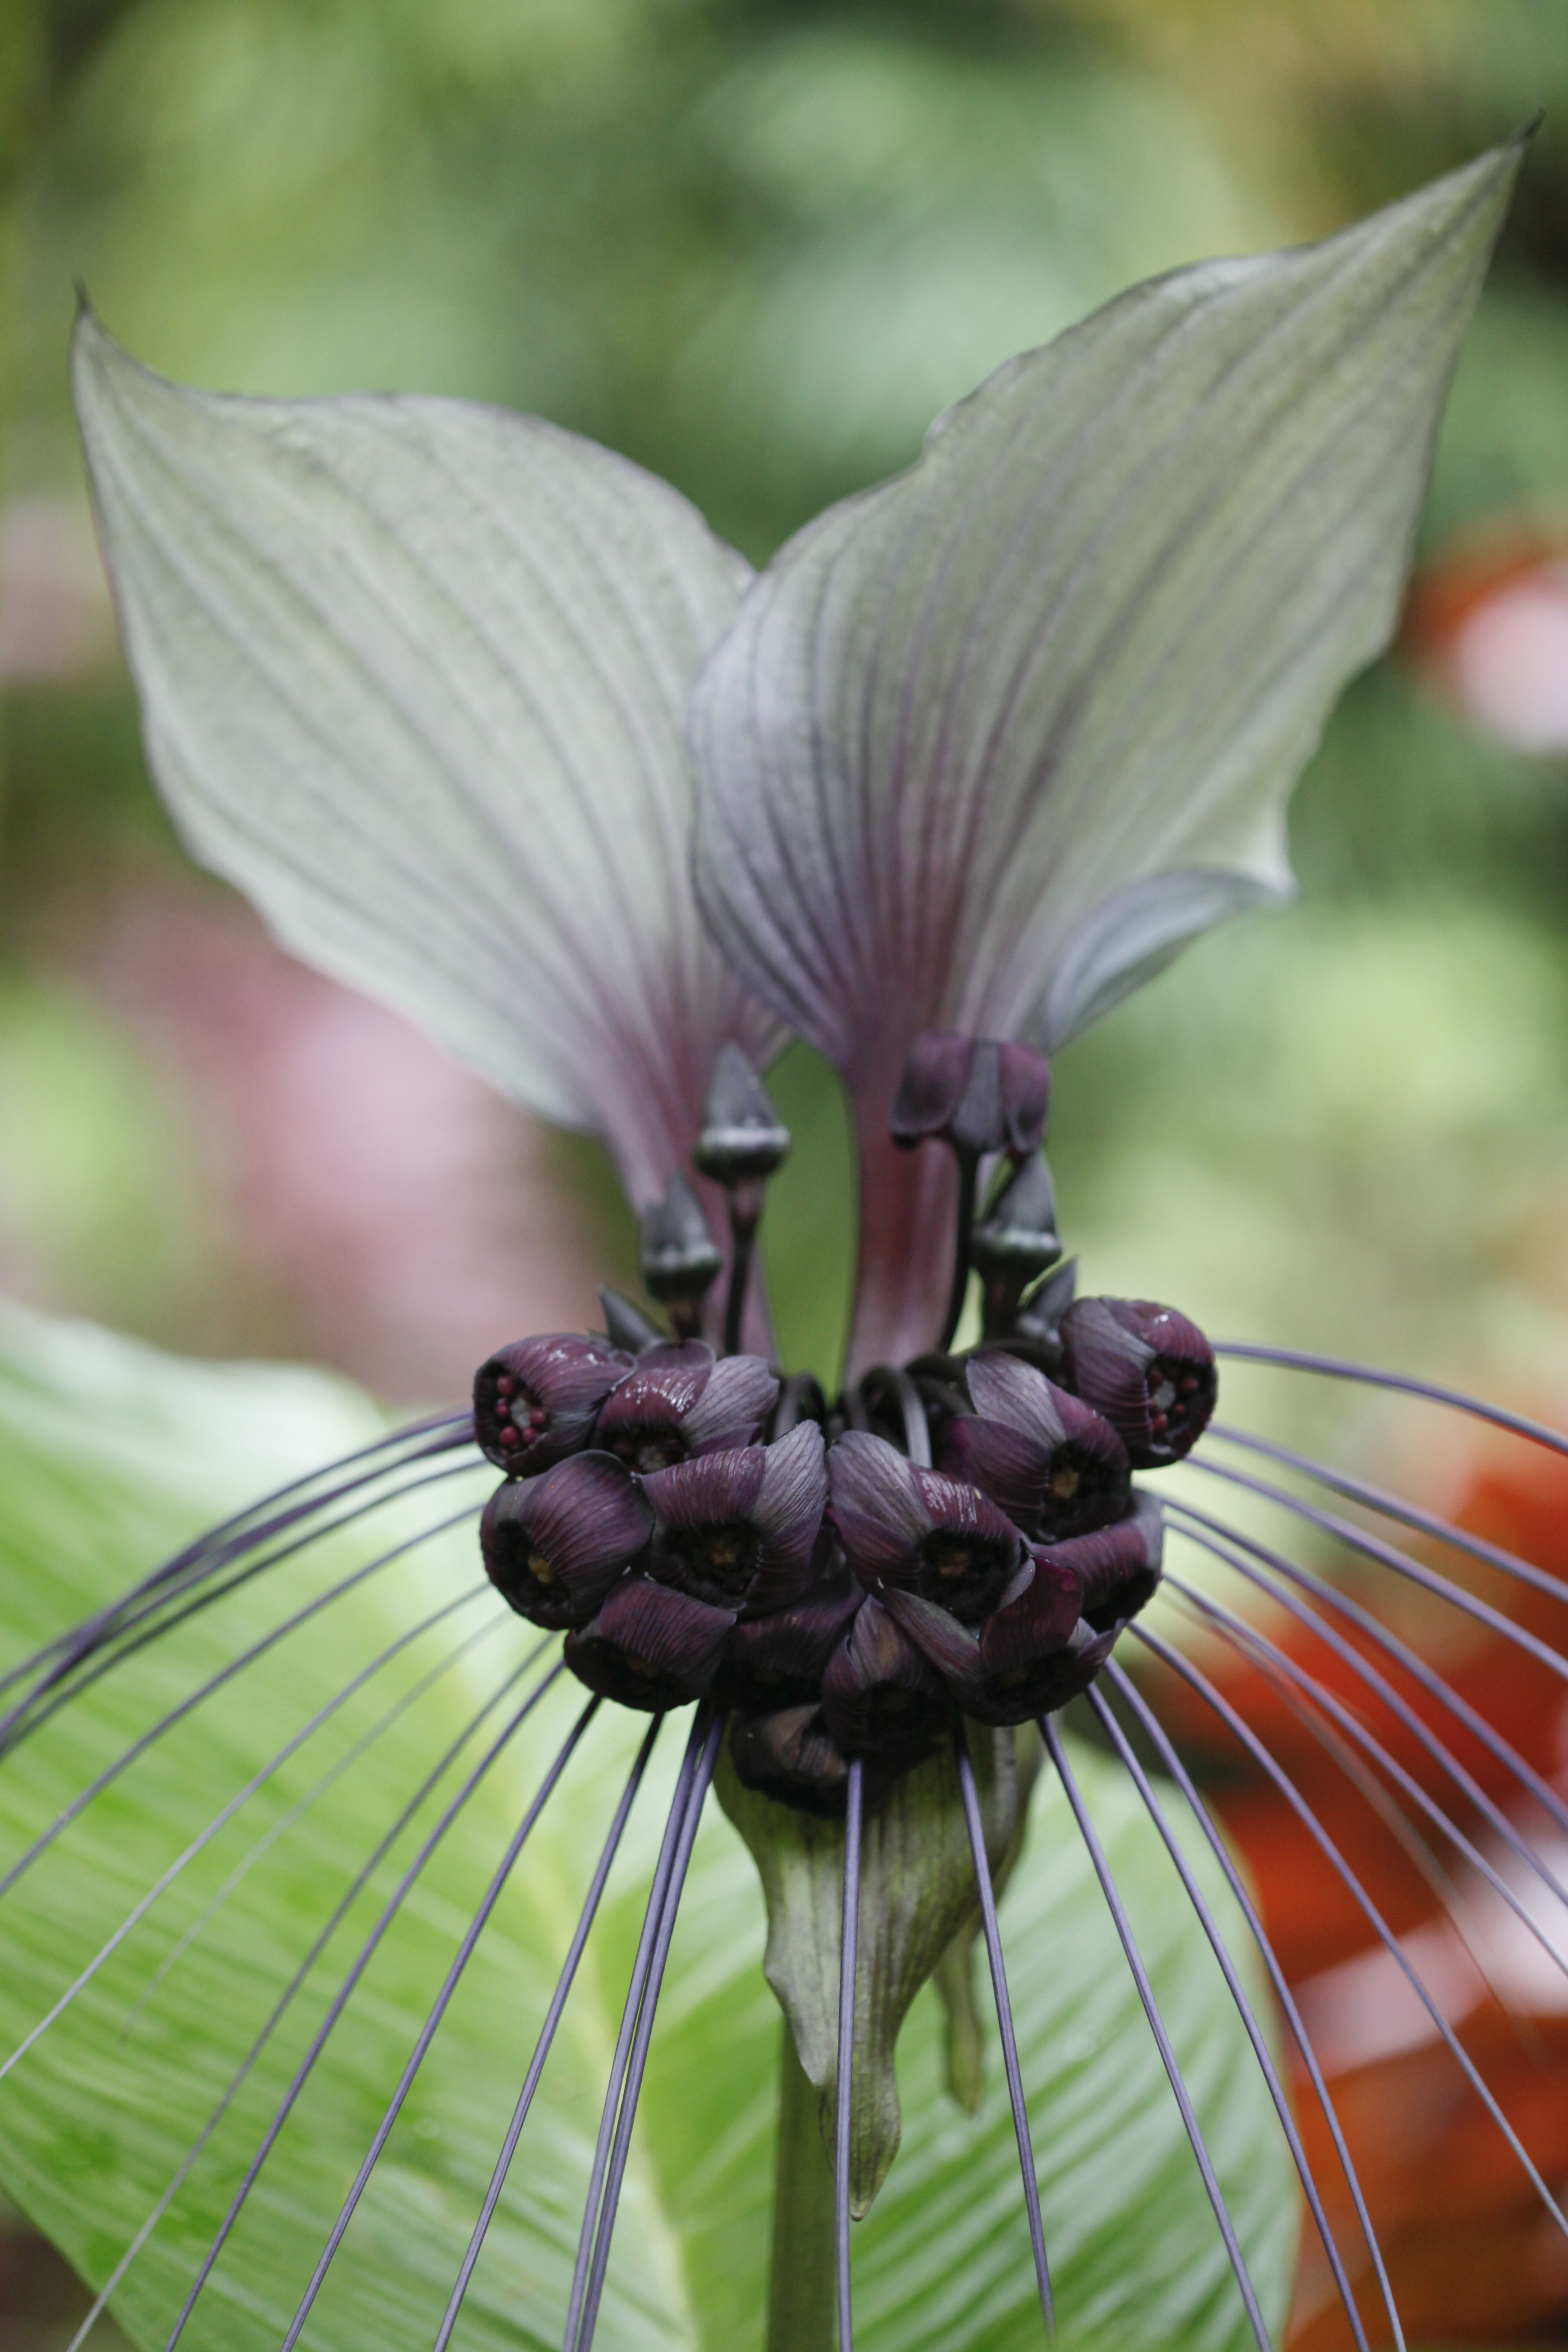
point(535, 1401)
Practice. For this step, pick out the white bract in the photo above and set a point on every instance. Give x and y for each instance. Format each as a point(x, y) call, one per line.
point(486, 721)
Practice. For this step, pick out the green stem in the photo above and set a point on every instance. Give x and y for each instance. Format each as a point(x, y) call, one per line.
point(801, 2300)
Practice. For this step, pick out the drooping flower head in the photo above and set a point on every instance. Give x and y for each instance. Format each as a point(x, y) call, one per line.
point(488, 723)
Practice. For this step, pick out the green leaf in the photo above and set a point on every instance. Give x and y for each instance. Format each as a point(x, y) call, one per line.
point(113, 1453)
point(412, 675)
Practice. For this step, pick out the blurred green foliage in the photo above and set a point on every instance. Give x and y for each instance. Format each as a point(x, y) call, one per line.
point(758, 244)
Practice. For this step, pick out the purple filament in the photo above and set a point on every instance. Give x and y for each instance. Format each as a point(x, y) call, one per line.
point(1335, 1368)
point(1249, 1640)
point(1389, 1556)
point(1391, 1646)
point(204, 1837)
point(1276, 1772)
point(628, 2117)
point(140, 1746)
point(1004, 2022)
point(1244, 2007)
point(1394, 1506)
point(345, 1991)
point(1206, 1821)
point(634, 1985)
point(97, 1660)
point(1057, 1754)
point(547, 2035)
point(1440, 1752)
point(438, 2009)
point(285, 2001)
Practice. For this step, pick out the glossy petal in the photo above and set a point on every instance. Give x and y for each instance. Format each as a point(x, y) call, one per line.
point(412, 675)
point(987, 744)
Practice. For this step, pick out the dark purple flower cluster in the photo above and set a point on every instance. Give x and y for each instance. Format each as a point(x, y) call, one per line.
point(839, 1598)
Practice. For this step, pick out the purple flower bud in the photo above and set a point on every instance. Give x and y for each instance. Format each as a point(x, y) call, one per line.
point(534, 1402)
point(1040, 1686)
point(779, 1660)
point(676, 1250)
point(1050, 1461)
point(554, 1545)
point(738, 1529)
point(879, 1696)
point(1148, 1370)
point(649, 1647)
point(742, 1140)
point(980, 1093)
point(919, 1530)
point(679, 1401)
point(791, 1756)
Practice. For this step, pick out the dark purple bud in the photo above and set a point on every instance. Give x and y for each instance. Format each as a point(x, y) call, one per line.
point(554, 1545)
point(1037, 1323)
point(779, 1660)
point(649, 1647)
point(534, 1403)
point(1016, 1239)
point(879, 1696)
point(627, 1326)
point(791, 1756)
point(677, 1251)
point(1050, 1461)
point(679, 1401)
point(920, 1531)
point(738, 1528)
point(1041, 1617)
point(979, 1094)
point(1148, 1370)
point(742, 1139)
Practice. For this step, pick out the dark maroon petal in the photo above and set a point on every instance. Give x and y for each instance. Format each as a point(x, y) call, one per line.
point(1147, 1369)
point(649, 1647)
point(714, 1491)
point(952, 1648)
point(1006, 1389)
point(879, 1697)
point(788, 1515)
point(972, 1554)
point(706, 1544)
point(877, 1507)
point(553, 1546)
point(1003, 1462)
point(735, 1401)
point(1119, 1567)
point(779, 1659)
point(643, 1419)
point(534, 1402)
point(1040, 1619)
point(1046, 1683)
point(935, 1073)
point(791, 1756)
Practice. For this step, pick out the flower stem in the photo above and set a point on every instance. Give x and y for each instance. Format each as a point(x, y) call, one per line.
point(801, 2300)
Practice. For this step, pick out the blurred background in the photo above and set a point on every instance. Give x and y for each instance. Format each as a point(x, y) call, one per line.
point(757, 245)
